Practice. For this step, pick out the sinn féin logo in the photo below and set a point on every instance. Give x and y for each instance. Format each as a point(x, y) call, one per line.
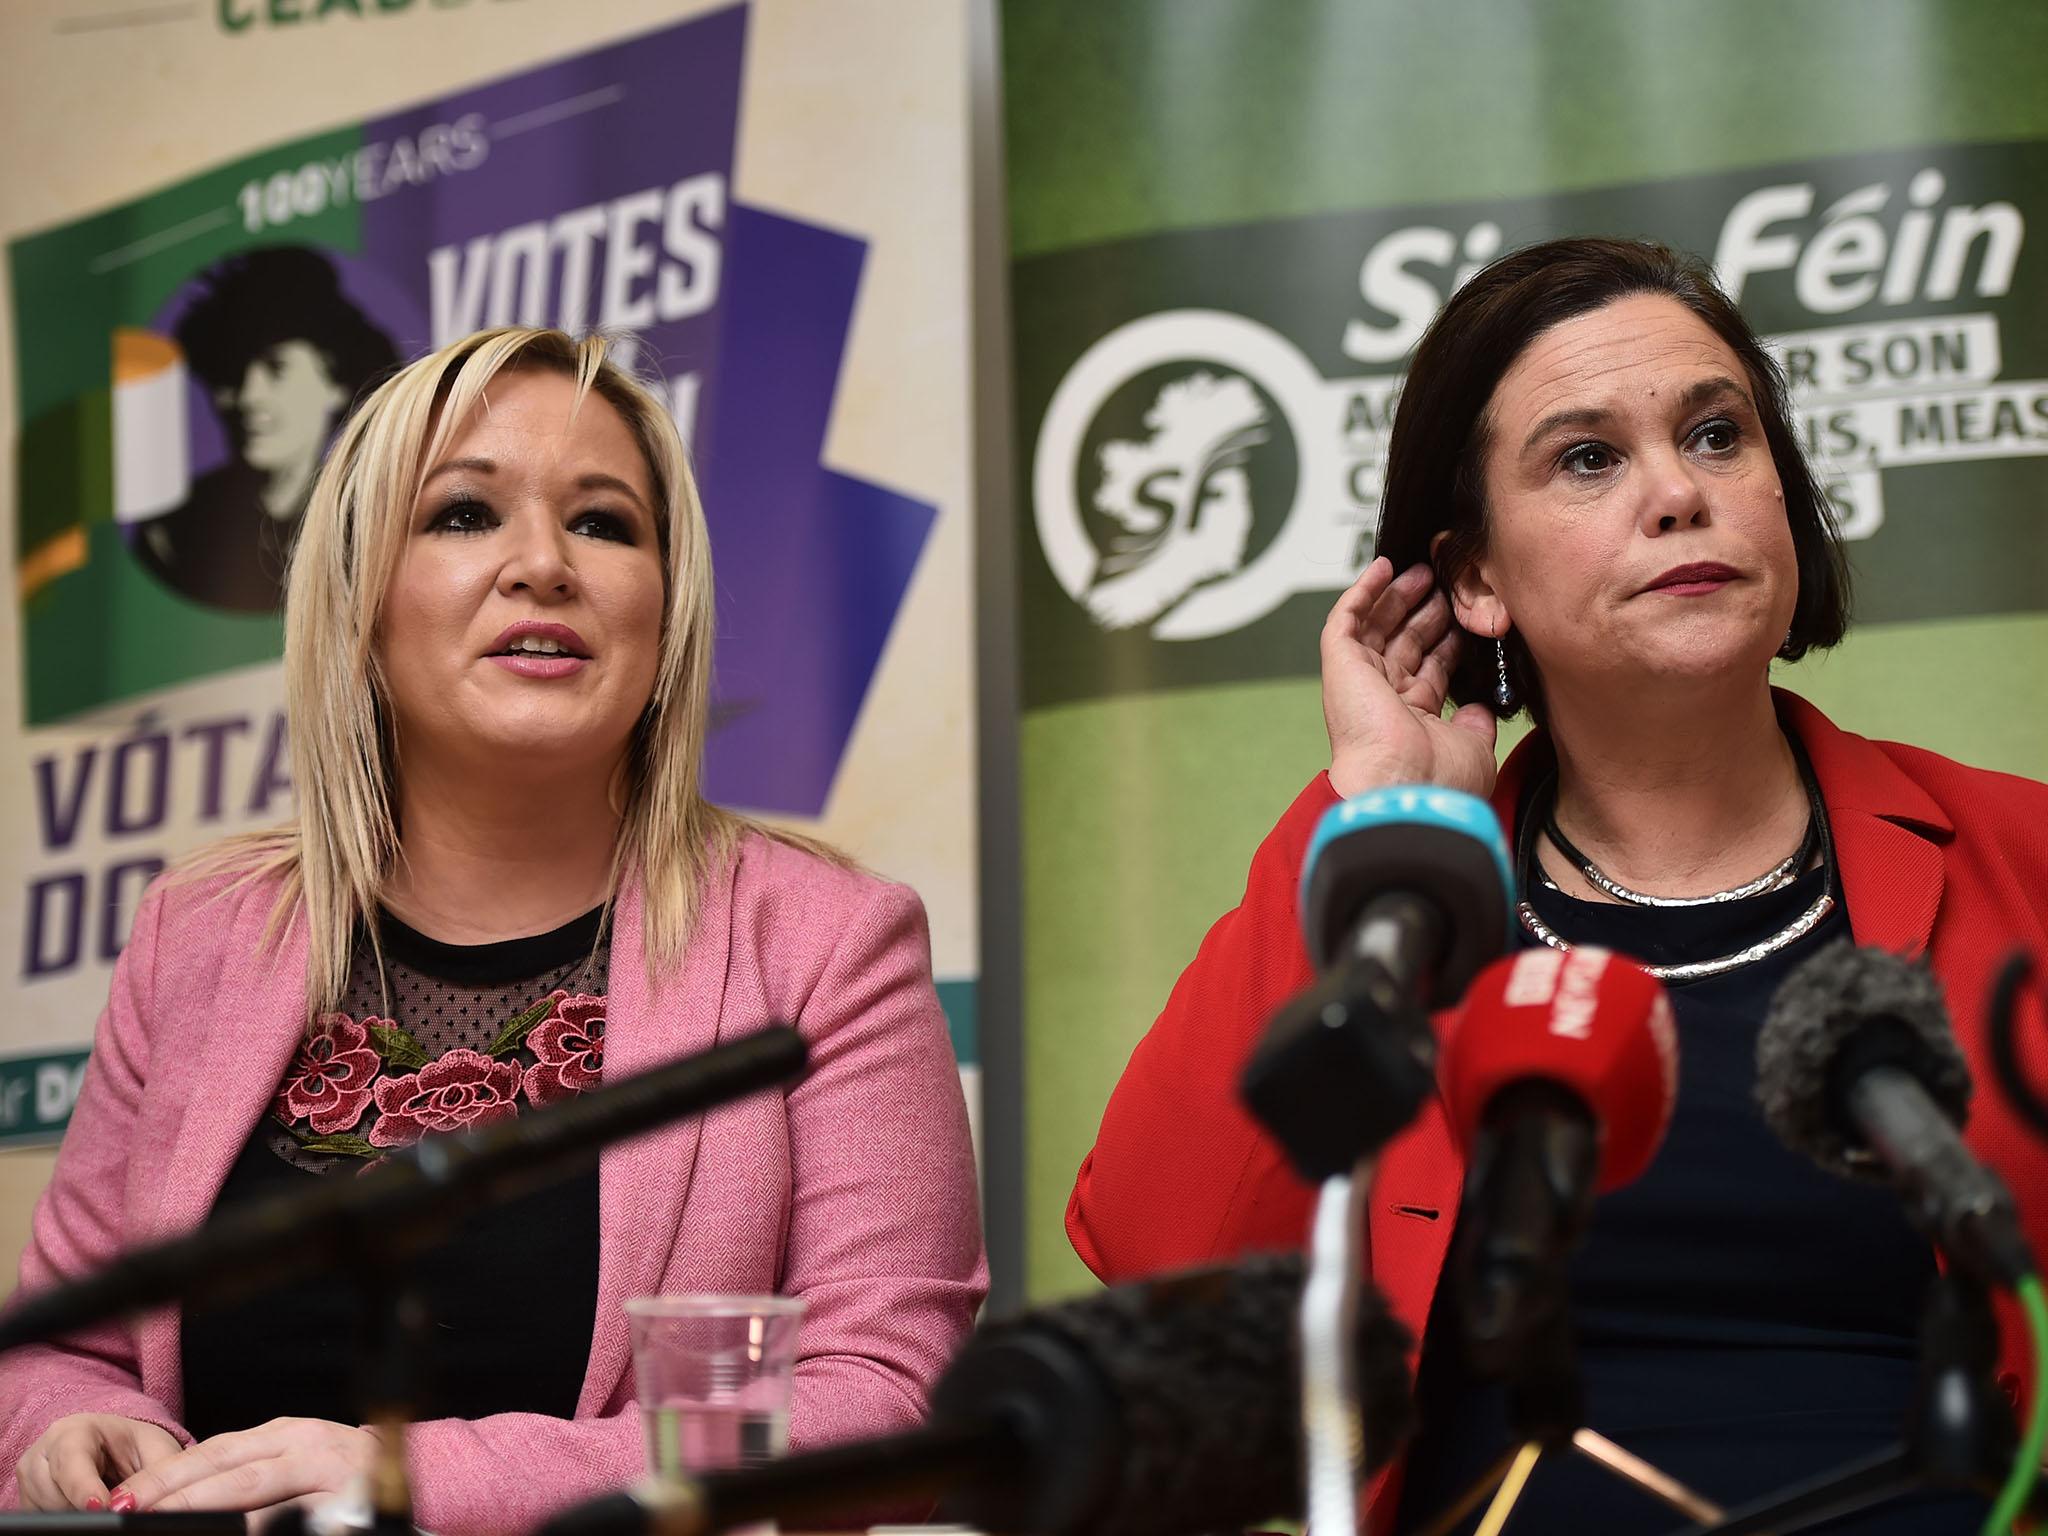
point(1169, 471)
point(1179, 500)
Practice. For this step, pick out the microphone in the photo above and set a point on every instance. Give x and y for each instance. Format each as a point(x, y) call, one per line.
point(405, 1203)
point(1405, 893)
point(1560, 1074)
point(1165, 1408)
point(2001, 1015)
point(1415, 877)
point(1858, 1070)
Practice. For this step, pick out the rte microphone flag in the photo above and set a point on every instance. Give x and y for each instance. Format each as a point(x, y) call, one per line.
point(1405, 894)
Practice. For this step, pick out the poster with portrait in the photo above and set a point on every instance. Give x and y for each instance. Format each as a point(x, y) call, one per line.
point(189, 313)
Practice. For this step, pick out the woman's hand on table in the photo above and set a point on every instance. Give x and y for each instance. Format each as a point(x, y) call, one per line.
point(74, 1461)
point(286, 1461)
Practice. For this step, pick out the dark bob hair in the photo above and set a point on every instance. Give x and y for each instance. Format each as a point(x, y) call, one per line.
point(1436, 460)
point(254, 300)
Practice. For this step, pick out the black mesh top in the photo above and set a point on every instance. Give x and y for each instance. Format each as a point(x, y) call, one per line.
point(448, 1038)
point(451, 1036)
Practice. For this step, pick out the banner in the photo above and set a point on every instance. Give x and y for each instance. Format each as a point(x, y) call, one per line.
point(1221, 268)
point(677, 173)
point(1206, 462)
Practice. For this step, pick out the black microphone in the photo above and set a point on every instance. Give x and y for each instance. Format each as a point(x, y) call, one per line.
point(1560, 1074)
point(1405, 895)
point(408, 1202)
point(1164, 1408)
point(1414, 878)
point(2001, 1017)
point(1858, 1070)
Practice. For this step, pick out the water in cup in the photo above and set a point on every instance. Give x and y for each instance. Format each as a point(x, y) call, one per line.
point(713, 1376)
point(685, 1434)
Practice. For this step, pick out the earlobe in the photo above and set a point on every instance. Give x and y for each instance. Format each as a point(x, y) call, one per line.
point(1478, 606)
point(1481, 616)
point(1474, 602)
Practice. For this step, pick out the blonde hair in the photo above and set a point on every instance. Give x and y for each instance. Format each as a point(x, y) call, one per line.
point(334, 858)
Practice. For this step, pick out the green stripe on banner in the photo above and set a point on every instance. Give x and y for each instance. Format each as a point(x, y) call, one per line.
point(36, 1095)
point(958, 998)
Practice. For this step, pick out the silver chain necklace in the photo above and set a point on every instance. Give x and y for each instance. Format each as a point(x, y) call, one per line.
point(1776, 878)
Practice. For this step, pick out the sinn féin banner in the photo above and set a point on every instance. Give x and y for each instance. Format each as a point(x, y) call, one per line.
point(1205, 467)
point(1231, 222)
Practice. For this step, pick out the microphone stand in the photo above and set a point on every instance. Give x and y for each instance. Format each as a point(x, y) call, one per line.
point(1341, 1069)
point(1546, 1407)
point(1959, 1429)
point(1333, 1431)
point(392, 1323)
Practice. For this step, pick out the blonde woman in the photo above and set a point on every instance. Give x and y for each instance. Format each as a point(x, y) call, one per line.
point(504, 885)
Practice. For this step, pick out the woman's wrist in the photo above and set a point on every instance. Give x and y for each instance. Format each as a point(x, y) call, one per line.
point(1357, 775)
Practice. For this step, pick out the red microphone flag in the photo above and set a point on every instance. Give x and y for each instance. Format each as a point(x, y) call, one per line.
point(1585, 1020)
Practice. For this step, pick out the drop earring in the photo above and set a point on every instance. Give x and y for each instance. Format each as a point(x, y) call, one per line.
point(1503, 693)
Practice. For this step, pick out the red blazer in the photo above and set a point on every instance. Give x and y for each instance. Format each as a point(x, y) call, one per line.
point(1934, 857)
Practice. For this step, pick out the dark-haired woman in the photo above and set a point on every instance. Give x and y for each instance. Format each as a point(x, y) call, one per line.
point(1596, 509)
point(282, 351)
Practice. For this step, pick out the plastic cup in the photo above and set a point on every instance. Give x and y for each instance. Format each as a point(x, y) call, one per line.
point(713, 1377)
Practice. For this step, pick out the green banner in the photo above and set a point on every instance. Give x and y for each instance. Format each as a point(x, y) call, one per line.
point(1231, 222)
point(1205, 413)
point(36, 1095)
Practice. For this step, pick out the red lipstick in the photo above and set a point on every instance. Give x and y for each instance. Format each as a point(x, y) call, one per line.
point(1694, 580)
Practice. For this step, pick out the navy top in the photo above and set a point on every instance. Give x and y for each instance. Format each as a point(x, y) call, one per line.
point(1745, 1321)
point(511, 1291)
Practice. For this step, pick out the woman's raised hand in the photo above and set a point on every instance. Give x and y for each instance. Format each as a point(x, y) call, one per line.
point(1389, 646)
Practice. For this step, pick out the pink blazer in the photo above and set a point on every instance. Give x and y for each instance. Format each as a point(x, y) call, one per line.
point(855, 1189)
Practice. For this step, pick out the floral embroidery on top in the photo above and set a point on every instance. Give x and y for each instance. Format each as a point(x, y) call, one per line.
point(460, 1090)
point(569, 1047)
point(328, 1082)
point(345, 1066)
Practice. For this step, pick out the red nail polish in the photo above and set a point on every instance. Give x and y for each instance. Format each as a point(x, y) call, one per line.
point(122, 1502)
point(95, 1503)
